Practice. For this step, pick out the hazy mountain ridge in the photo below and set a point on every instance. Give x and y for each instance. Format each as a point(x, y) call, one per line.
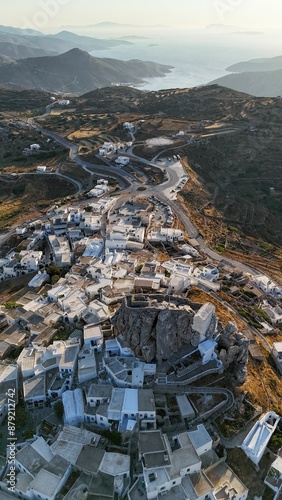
point(17, 44)
point(76, 72)
point(256, 83)
point(263, 64)
point(259, 77)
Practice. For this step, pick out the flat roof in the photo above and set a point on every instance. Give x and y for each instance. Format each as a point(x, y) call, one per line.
point(185, 407)
point(31, 460)
point(146, 400)
point(116, 403)
point(182, 458)
point(115, 464)
point(100, 391)
point(200, 436)
point(93, 332)
point(130, 402)
point(156, 459)
point(221, 474)
point(90, 459)
point(8, 372)
point(57, 466)
point(34, 387)
point(71, 441)
point(45, 482)
point(151, 441)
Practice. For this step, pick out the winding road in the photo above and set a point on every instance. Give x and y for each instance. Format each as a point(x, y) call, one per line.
point(133, 185)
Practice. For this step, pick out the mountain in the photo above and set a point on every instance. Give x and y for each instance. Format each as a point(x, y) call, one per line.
point(111, 27)
point(119, 26)
point(18, 31)
point(76, 72)
point(18, 45)
point(256, 83)
point(16, 51)
point(264, 64)
point(88, 43)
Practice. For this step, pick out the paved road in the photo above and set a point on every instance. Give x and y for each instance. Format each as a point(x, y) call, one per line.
point(130, 181)
point(105, 170)
point(4, 237)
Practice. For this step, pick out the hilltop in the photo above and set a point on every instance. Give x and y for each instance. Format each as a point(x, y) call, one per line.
point(75, 72)
point(234, 157)
point(259, 77)
point(231, 148)
point(20, 43)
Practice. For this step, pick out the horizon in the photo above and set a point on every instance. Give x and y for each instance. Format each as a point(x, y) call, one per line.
point(197, 14)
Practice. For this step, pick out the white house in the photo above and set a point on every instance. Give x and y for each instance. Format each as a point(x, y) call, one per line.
point(202, 319)
point(211, 272)
point(93, 337)
point(163, 468)
point(274, 313)
point(268, 286)
point(91, 222)
point(41, 168)
point(200, 439)
point(256, 441)
point(87, 369)
point(34, 147)
point(274, 477)
point(206, 350)
point(99, 393)
point(277, 354)
point(122, 161)
point(98, 311)
point(165, 234)
point(73, 407)
point(30, 260)
point(129, 406)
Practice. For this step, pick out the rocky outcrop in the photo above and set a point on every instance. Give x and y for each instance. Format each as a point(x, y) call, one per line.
point(233, 352)
point(156, 327)
point(153, 329)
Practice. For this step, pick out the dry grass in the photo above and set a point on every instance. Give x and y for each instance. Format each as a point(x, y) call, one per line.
point(246, 471)
point(24, 196)
point(223, 314)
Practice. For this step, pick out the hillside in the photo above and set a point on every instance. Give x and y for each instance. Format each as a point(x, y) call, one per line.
point(16, 51)
point(235, 159)
point(76, 72)
point(32, 101)
point(264, 64)
point(211, 102)
point(257, 83)
point(18, 44)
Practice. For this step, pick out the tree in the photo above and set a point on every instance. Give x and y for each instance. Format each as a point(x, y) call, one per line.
point(59, 409)
point(53, 270)
point(113, 436)
point(55, 278)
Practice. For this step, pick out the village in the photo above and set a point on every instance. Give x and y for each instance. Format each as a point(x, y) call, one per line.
point(107, 337)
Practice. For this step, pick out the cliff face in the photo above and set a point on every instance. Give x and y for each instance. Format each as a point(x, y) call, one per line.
point(156, 327)
point(155, 330)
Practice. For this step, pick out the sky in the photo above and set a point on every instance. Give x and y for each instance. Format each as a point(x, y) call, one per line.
point(42, 14)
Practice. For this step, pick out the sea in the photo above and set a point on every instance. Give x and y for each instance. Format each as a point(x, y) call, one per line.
point(198, 57)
